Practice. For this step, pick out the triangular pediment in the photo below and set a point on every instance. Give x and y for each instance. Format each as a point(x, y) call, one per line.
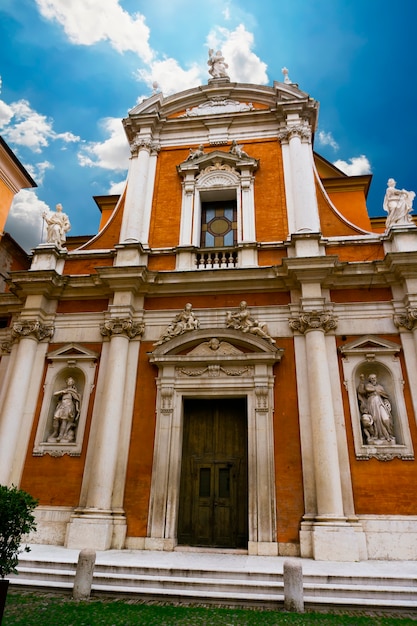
point(217, 159)
point(72, 351)
point(370, 344)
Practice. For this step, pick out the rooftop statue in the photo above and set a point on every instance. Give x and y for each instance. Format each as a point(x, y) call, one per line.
point(218, 67)
point(398, 203)
point(238, 150)
point(58, 225)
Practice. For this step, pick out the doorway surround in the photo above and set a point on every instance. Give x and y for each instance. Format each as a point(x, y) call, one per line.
point(214, 363)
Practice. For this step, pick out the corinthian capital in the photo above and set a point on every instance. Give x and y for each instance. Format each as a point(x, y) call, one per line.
point(122, 326)
point(313, 320)
point(32, 328)
point(303, 131)
point(142, 143)
point(406, 320)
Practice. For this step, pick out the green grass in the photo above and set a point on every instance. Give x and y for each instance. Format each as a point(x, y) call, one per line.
point(28, 609)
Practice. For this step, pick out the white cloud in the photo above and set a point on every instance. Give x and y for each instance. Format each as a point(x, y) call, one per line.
point(6, 113)
point(38, 170)
point(23, 126)
point(25, 221)
point(244, 65)
point(171, 78)
point(87, 22)
point(111, 154)
point(117, 188)
point(327, 139)
point(355, 167)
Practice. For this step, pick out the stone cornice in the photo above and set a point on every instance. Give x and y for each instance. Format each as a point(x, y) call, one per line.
point(44, 282)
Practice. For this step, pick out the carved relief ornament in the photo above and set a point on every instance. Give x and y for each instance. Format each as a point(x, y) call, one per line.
point(313, 320)
point(122, 326)
point(32, 328)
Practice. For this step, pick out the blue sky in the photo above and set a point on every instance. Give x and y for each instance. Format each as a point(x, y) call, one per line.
point(72, 69)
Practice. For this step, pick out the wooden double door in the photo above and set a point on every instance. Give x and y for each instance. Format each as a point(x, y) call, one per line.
point(213, 509)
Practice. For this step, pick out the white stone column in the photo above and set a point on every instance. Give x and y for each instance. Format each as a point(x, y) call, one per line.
point(29, 333)
point(303, 198)
point(408, 322)
point(248, 206)
point(332, 537)
point(94, 526)
point(186, 226)
point(137, 190)
point(262, 515)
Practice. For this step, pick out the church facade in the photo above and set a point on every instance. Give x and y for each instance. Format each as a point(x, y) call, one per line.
point(231, 362)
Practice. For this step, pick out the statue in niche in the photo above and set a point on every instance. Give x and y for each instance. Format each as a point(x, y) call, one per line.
point(217, 64)
point(238, 150)
point(242, 320)
point(58, 225)
point(66, 414)
point(398, 203)
point(195, 154)
point(182, 323)
point(376, 412)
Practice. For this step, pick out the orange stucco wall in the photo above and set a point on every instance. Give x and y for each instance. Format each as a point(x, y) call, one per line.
point(6, 197)
point(288, 467)
point(358, 252)
point(352, 204)
point(216, 300)
point(333, 224)
point(367, 294)
point(271, 213)
point(139, 468)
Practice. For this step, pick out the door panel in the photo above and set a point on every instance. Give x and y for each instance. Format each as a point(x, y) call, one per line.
point(213, 507)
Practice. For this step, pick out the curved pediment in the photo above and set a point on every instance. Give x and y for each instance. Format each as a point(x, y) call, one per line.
point(215, 344)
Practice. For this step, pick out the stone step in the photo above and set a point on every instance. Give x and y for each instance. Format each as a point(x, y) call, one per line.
point(243, 587)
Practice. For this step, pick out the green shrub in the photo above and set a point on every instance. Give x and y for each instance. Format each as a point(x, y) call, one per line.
point(16, 520)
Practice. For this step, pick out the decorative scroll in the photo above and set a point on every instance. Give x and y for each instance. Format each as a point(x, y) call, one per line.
point(214, 371)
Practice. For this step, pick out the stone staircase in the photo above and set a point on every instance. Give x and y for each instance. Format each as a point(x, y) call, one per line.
point(209, 584)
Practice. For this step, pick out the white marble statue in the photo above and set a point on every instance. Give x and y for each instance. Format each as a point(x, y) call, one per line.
point(183, 322)
point(398, 203)
point(58, 225)
point(376, 412)
point(66, 414)
point(195, 153)
point(242, 320)
point(238, 150)
point(217, 65)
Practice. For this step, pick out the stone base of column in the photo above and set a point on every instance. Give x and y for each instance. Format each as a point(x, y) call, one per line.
point(263, 548)
point(159, 543)
point(95, 529)
point(333, 541)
